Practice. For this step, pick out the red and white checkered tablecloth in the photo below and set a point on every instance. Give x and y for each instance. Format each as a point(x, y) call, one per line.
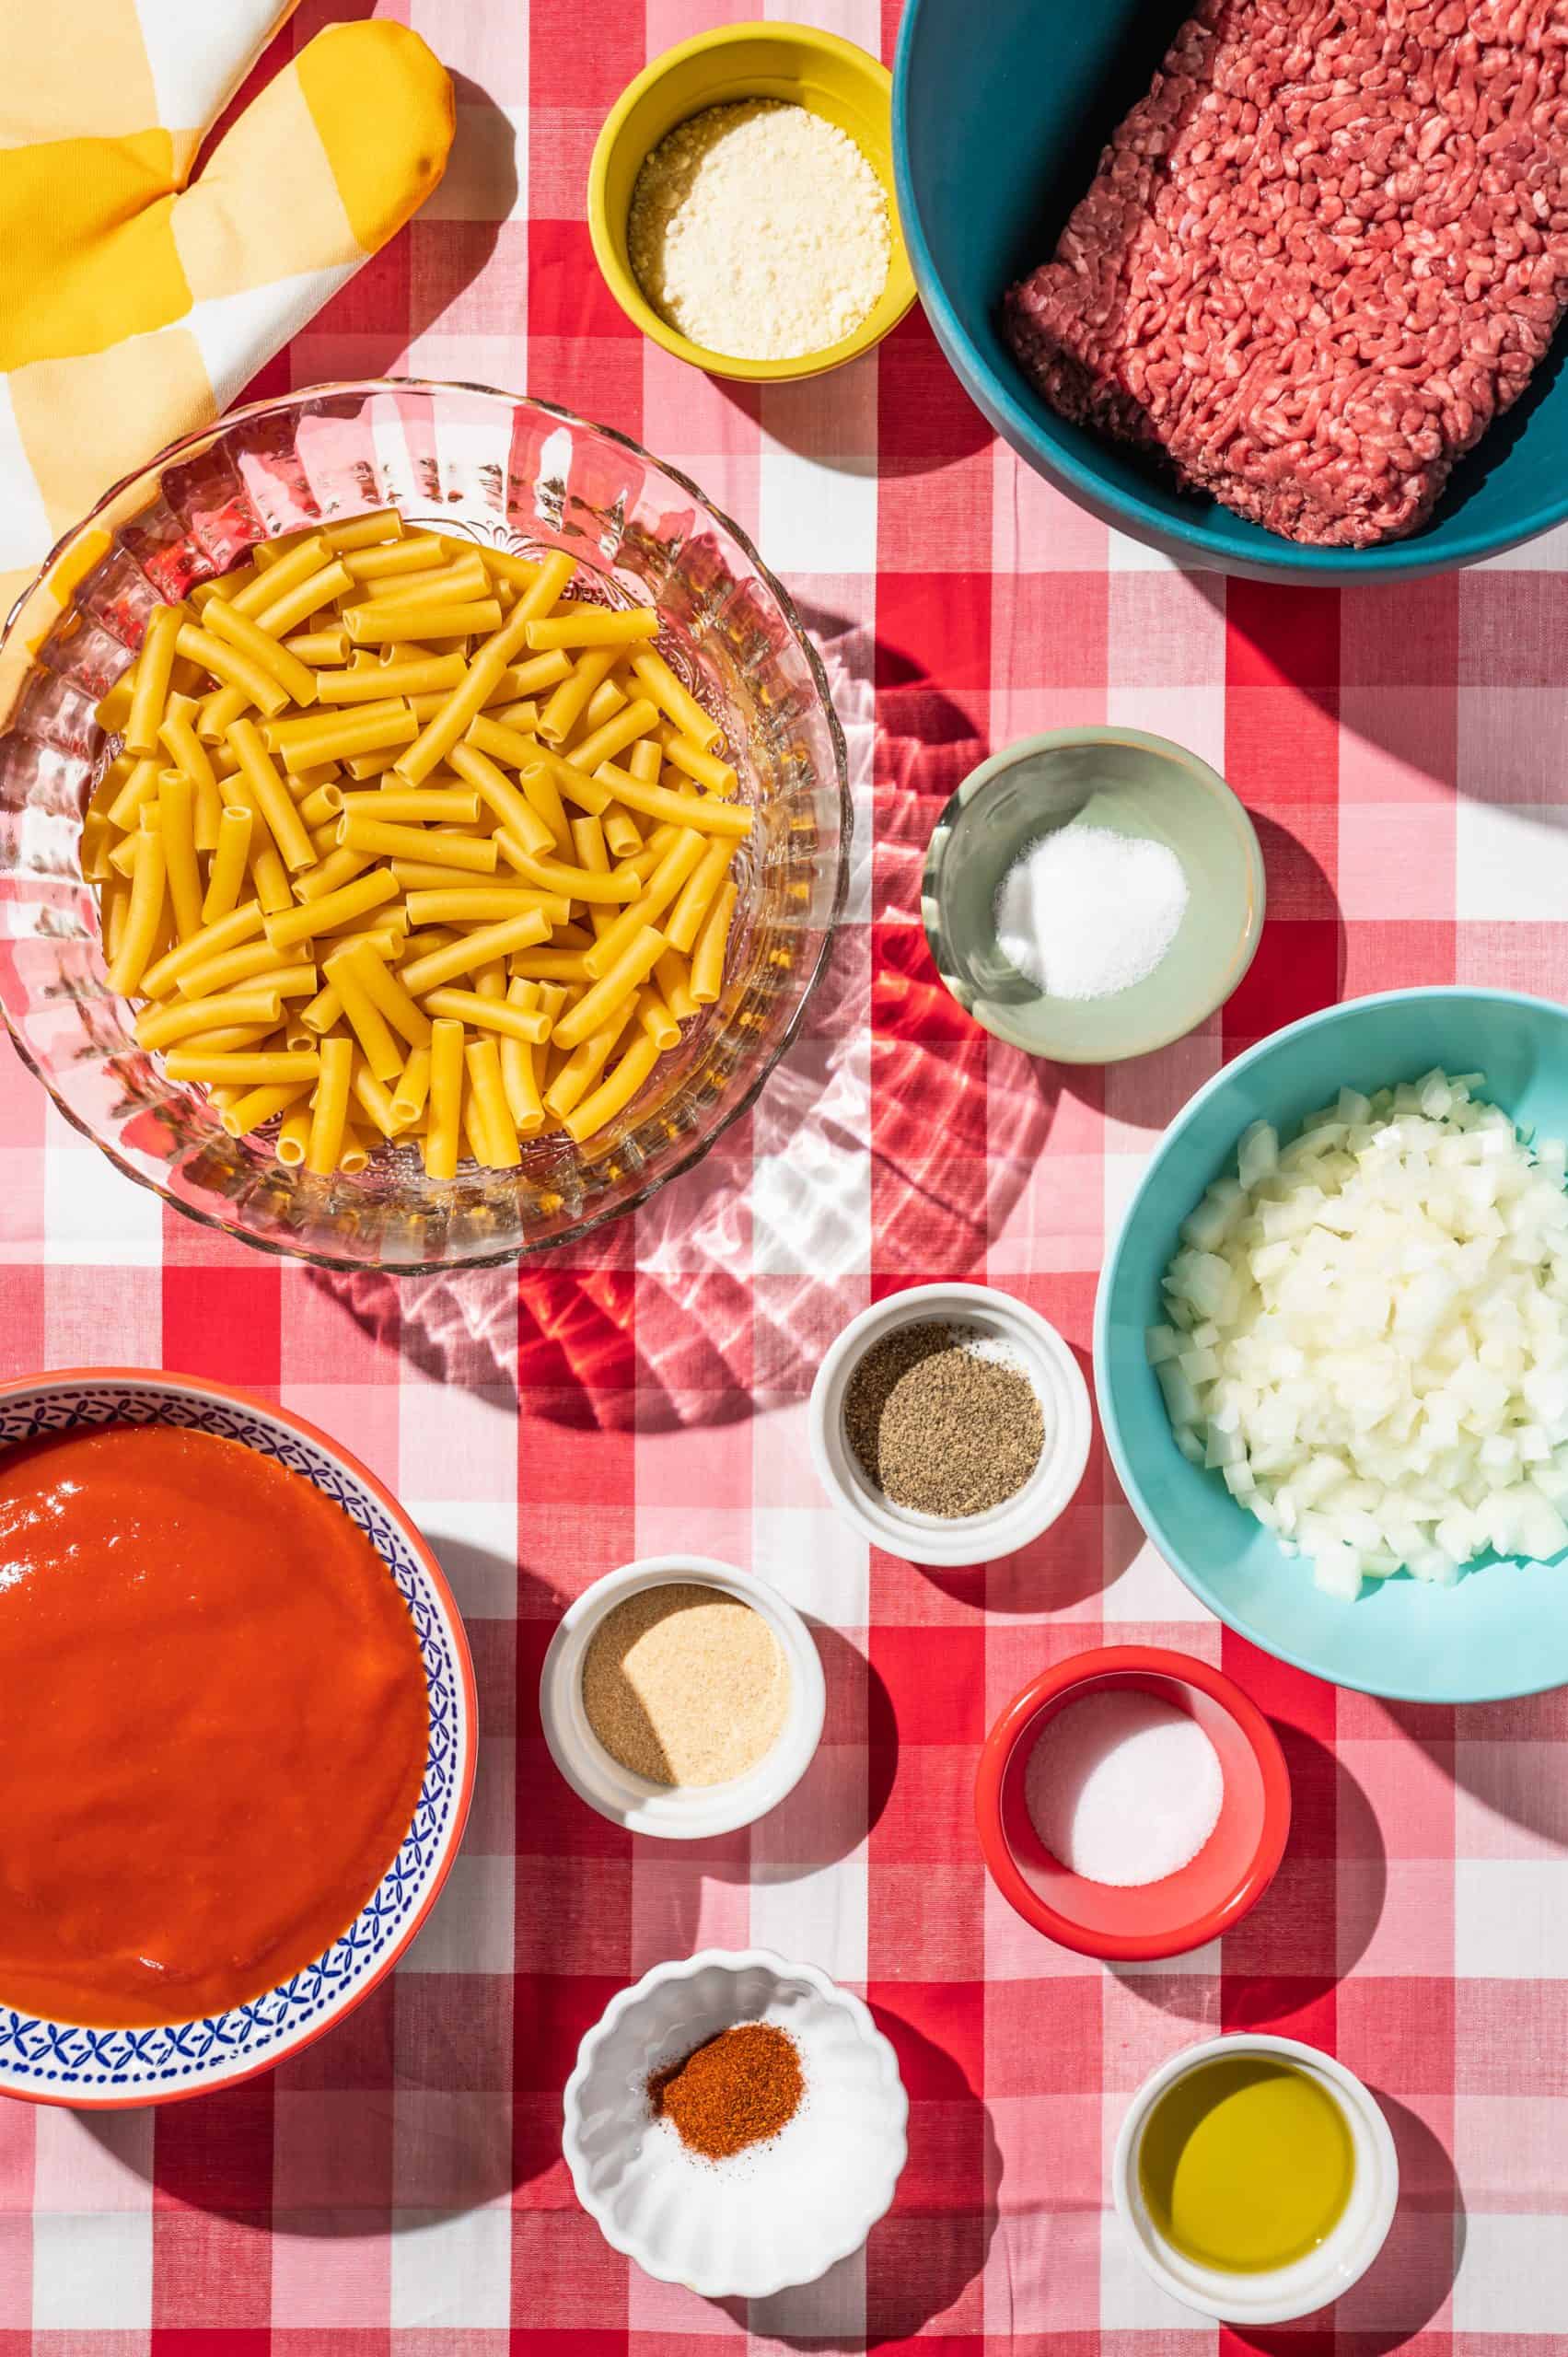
point(399, 2188)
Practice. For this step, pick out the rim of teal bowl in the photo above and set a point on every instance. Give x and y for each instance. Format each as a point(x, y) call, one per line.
point(1148, 1516)
point(1020, 426)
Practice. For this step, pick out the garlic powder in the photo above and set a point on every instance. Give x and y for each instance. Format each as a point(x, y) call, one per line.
point(760, 230)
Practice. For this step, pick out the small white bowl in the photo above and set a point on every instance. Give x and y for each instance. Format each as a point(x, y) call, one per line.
point(971, 1538)
point(675, 1812)
point(1283, 2294)
point(783, 2213)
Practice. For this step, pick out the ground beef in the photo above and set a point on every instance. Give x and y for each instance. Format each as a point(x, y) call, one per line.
point(1320, 257)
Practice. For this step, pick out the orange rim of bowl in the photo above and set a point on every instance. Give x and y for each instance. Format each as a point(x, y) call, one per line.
point(1082, 1669)
point(193, 1386)
point(619, 276)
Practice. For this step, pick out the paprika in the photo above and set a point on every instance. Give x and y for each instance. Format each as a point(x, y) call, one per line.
point(736, 2089)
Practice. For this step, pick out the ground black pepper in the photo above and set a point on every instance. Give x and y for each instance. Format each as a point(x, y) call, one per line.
point(938, 1427)
point(738, 2088)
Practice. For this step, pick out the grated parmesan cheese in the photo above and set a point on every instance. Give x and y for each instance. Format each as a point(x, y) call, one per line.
point(760, 230)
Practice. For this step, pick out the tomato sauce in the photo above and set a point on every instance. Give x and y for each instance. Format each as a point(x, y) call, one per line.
point(213, 1724)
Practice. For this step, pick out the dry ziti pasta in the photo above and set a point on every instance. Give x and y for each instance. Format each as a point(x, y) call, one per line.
point(402, 842)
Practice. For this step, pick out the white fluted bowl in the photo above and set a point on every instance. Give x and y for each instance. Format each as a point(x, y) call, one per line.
point(783, 2213)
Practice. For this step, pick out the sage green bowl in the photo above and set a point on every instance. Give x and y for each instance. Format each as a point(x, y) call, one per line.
point(1132, 784)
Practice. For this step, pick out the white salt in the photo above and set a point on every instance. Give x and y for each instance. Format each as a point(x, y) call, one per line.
point(999, 1352)
point(1084, 912)
point(1124, 1789)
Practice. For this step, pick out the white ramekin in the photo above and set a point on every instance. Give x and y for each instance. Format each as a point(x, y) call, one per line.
point(783, 2212)
point(677, 1813)
point(979, 1537)
point(1283, 2294)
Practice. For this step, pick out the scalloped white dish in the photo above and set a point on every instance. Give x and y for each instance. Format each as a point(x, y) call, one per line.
point(97, 2069)
point(779, 2213)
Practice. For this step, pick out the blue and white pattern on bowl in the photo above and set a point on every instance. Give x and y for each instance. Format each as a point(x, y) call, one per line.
point(63, 2062)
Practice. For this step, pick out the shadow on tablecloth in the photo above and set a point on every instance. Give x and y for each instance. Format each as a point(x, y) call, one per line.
point(1404, 693)
point(1290, 1968)
point(924, 2259)
point(1493, 1754)
point(511, 1611)
point(411, 292)
point(1307, 1933)
point(456, 2026)
point(1410, 2282)
point(823, 1821)
point(328, 2123)
point(894, 1140)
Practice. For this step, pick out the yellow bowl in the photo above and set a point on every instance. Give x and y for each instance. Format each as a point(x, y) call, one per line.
point(796, 63)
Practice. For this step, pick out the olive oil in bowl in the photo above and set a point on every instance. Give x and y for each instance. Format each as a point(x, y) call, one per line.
point(1246, 2165)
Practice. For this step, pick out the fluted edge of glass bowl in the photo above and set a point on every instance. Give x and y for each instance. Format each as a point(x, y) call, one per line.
point(829, 778)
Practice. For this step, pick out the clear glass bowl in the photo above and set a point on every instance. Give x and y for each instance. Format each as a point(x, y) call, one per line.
point(522, 475)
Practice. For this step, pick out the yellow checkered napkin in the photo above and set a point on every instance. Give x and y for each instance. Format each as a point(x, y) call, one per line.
point(134, 303)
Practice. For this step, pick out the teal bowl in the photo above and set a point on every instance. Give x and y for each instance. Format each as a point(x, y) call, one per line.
point(999, 116)
point(1503, 1629)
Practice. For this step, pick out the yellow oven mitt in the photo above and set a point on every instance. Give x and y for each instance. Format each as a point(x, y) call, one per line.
point(134, 302)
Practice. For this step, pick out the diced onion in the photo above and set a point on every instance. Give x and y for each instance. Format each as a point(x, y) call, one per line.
point(1366, 1335)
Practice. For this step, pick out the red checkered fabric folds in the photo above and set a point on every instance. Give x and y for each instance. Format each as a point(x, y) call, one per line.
point(398, 2190)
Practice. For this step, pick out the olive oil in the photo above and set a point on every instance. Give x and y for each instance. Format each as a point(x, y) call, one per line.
point(1246, 2165)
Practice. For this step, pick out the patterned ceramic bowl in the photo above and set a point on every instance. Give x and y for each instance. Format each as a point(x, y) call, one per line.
point(524, 476)
point(103, 2070)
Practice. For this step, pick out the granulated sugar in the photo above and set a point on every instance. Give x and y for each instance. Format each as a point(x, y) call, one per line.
point(685, 1684)
point(1124, 1789)
point(760, 230)
point(1085, 912)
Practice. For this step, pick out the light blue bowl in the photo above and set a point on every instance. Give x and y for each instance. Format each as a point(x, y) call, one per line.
point(1503, 1630)
point(999, 115)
